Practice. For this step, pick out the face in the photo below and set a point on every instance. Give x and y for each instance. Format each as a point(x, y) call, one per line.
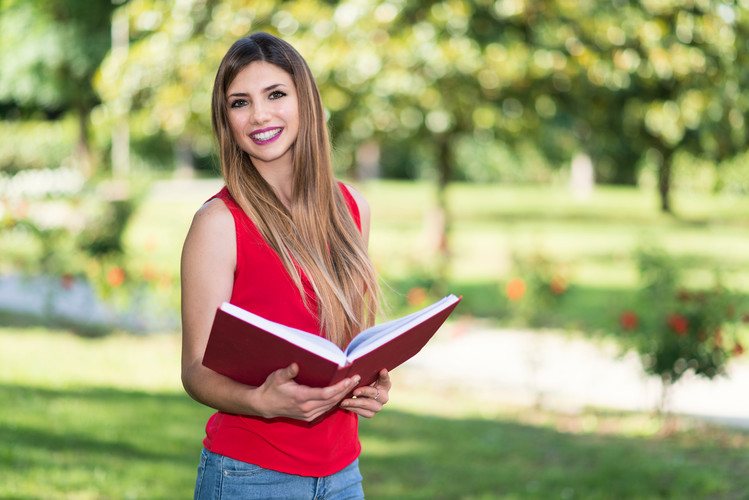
point(263, 112)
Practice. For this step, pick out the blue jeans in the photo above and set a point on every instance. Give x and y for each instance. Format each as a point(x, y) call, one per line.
point(223, 478)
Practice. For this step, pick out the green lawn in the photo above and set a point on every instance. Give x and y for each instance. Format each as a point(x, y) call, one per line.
point(592, 241)
point(490, 222)
point(106, 419)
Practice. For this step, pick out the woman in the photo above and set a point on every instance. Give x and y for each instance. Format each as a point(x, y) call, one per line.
point(284, 240)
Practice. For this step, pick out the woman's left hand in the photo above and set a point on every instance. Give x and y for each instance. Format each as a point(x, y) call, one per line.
point(369, 399)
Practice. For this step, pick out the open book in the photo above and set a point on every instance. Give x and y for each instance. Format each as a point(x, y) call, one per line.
point(248, 348)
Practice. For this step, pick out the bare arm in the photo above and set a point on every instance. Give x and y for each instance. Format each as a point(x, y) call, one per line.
point(208, 263)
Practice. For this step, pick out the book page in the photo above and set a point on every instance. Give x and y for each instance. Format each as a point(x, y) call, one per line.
point(371, 338)
point(306, 340)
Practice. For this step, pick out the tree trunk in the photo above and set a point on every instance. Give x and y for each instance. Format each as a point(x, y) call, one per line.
point(82, 154)
point(664, 180)
point(444, 155)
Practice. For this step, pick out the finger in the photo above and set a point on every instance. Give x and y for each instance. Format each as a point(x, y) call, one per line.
point(289, 372)
point(365, 407)
point(370, 391)
point(384, 378)
point(333, 393)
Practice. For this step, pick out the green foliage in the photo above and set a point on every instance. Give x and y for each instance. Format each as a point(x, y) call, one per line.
point(536, 288)
point(34, 144)
point(78, 237)
point(57, 47)
point(471, 89)
point(435, 77)
point(677, 329)
point(103, 234)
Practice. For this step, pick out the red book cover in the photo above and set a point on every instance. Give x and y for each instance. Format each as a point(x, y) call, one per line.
point(247, 347)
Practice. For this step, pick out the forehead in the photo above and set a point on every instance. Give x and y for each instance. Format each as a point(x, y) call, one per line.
point(258, 76)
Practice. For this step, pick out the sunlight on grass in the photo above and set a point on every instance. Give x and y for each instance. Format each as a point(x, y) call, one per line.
point(61, 359)
point(384, 447)
point(106, 418)
point(490, 223)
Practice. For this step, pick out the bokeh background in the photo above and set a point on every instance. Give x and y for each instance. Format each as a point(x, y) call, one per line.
point(577, 170)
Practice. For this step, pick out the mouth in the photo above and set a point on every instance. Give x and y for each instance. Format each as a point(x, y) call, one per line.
point(266, 135)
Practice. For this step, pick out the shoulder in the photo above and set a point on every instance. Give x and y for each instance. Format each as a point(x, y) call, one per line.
point(212, 226)
point(214, 214)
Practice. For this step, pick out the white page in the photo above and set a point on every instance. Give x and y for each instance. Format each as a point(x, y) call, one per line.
point(306, 340)
point(371, 338)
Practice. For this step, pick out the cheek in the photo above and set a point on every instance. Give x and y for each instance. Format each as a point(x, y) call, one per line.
point(291, 117)
point(236, 123)
point(290, 112)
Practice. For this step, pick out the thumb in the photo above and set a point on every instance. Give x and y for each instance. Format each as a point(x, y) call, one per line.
point(289, 372)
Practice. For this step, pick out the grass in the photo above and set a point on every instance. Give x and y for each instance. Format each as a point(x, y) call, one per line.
point(591, 241)
point(490, 222)
point(106, 419)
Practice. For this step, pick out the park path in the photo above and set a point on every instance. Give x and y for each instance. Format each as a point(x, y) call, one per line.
point(567, 373)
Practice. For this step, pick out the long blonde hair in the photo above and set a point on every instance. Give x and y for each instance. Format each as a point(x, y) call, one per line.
point(316, 233)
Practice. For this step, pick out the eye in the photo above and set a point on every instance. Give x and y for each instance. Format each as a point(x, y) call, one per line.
point(276, 94)
point(237, 103)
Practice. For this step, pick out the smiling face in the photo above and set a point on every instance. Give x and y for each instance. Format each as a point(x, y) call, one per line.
point(263, 112)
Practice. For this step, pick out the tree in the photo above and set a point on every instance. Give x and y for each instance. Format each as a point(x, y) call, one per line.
point(661, 77)
point(51, 50)
point(621, 80)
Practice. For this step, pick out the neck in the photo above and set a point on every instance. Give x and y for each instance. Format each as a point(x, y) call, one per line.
point(280, 178)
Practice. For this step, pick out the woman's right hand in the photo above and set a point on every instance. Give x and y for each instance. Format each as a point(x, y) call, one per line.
point(281, 396)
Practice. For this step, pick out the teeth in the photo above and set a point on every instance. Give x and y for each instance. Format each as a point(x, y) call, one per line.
point(264, 136)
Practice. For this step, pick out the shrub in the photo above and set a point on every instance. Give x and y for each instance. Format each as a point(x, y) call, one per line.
point(536, 289)
point(677, 329)
point(76, 235)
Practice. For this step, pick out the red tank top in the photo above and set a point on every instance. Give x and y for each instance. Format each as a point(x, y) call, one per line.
point(262, 286)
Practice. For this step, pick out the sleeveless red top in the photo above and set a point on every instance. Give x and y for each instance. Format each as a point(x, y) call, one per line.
point(262, 286)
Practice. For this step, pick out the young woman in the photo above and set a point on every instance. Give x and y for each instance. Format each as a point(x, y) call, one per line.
point(286, 241)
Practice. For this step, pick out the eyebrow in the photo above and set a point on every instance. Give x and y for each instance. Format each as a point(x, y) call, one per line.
point(266, 89)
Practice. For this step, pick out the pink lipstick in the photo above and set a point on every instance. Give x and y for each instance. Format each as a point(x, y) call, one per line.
point(266, 135)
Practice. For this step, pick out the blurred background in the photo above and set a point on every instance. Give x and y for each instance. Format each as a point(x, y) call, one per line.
point(577, 170)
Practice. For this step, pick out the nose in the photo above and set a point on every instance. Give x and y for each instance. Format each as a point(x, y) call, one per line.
point(260, 113)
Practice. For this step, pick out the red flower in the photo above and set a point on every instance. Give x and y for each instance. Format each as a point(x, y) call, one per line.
point(115, 276)
point(678, 324)
point(515, 289)
point(558, 284)
point(629, 320)
point(738, 349)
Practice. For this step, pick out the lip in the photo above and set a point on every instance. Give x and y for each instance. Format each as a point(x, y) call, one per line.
point(278, 131)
